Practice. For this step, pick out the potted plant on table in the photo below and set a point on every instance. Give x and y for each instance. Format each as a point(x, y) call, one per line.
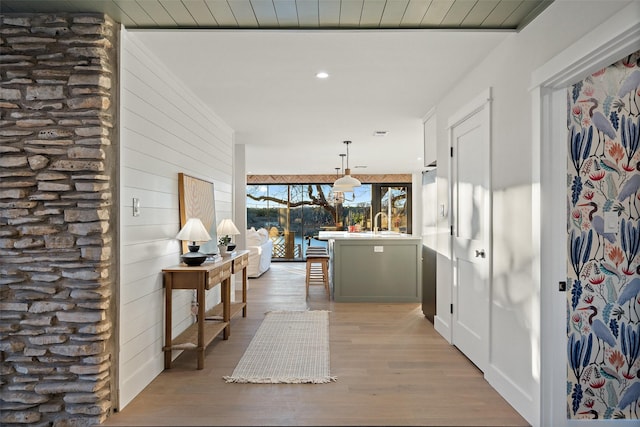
point(224, 245)
point(225, 230)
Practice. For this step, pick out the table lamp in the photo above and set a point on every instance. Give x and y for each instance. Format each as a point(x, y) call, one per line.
point(225, 230)
point(193, 231)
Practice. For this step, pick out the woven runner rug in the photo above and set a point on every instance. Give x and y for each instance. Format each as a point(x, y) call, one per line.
point(289, 347)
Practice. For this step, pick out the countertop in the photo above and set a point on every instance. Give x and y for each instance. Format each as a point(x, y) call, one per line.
point(345, 235)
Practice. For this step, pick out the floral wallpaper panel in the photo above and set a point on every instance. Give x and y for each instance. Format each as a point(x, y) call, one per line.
point(603, 183)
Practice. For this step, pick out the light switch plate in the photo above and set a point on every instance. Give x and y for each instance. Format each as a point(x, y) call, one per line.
point(611, 222)
point(378, 249)
point(136, 206)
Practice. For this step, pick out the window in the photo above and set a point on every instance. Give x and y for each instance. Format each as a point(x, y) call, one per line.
point(395, 201)
point(295, 213)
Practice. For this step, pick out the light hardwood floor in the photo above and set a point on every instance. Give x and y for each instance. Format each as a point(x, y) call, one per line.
point(392, 369)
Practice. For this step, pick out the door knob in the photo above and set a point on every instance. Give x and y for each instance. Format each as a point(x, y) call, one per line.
point(480, 253)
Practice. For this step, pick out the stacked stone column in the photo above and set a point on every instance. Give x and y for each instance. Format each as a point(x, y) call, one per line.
point(58, 217)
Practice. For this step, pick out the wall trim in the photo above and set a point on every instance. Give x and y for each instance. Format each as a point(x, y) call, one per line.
point(470, 108)
point(594, 51)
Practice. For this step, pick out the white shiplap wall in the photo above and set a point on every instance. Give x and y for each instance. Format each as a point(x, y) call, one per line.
point(165, 129)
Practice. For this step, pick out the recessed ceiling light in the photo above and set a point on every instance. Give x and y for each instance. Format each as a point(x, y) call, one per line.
point(322, 75)
point(381, 133)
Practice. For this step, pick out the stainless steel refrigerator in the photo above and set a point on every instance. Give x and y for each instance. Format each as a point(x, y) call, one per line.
point(429, 241)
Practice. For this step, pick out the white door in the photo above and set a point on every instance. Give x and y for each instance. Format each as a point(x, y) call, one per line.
point(471, 213)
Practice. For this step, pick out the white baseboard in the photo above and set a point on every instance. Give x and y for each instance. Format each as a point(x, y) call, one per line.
point(130, 388)
point(442, 328)
point(513, 394)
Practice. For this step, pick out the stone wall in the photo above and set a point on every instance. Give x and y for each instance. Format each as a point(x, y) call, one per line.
point(58, 218)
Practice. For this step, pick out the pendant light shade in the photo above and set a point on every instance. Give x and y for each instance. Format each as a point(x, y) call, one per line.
point(342, 188)
point(346, 183)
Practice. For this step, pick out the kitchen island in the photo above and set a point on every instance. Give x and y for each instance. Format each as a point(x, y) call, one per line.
point(374, 267)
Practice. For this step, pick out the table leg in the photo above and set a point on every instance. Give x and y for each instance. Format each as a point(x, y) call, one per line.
point(168, 282)
point(244, 291)
point(201, 310)
point(226, 307)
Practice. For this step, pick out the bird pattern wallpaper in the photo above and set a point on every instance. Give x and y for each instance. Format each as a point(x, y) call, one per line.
point(603, 302)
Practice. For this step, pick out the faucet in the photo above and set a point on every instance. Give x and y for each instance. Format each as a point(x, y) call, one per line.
point(375, 219)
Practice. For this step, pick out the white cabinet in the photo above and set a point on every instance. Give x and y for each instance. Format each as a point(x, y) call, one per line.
point(429, 138)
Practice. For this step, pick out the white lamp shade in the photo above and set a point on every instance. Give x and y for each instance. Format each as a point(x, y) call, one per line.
point(347, 181)
point(194, 231)
point(342, 188)
point(227, 228)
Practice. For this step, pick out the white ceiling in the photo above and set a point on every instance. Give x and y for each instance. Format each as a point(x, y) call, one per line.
point(253, 62)
point(263, 84)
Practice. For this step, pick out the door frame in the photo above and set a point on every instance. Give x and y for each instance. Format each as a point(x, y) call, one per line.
point(604, 45)
point(481, 104)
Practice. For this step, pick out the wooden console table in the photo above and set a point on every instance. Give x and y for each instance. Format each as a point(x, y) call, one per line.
point(210, 322)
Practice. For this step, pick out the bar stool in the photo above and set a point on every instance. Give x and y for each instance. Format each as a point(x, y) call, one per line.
point(317, 268)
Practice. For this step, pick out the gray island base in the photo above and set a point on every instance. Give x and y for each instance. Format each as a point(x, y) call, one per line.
point(380, 267)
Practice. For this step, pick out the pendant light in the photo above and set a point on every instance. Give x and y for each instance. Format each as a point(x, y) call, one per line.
point(336, 197)
point(347, 182)
point(342, 188)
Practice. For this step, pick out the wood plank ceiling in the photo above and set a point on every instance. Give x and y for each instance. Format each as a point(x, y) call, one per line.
point(300, 14)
